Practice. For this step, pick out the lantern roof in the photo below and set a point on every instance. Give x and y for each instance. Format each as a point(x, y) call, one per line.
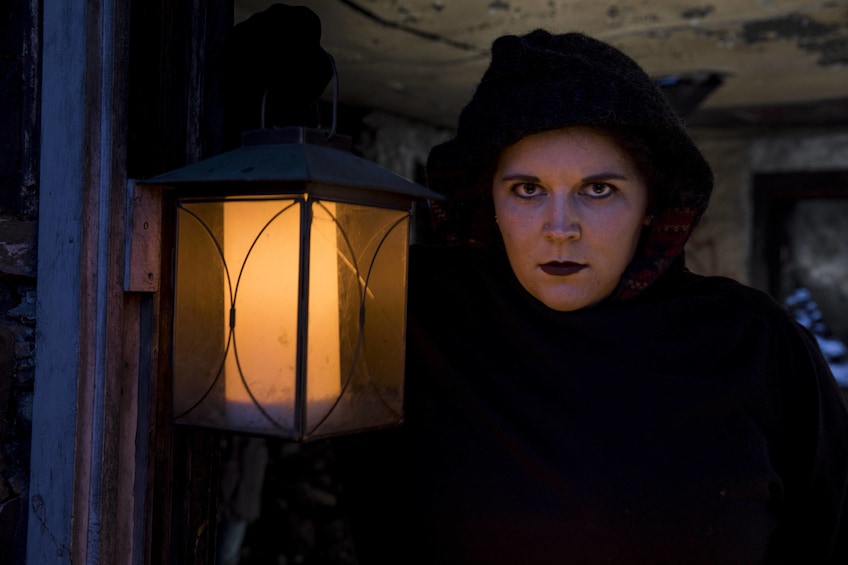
point(293, 155)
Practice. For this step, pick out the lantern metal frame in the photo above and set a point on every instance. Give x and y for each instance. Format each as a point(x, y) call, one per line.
point(292, 163)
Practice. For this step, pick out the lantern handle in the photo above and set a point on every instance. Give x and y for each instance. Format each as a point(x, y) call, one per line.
point(332, 131)
point(335, 96)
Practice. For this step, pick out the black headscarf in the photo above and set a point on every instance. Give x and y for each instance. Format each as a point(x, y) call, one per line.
point(541, 81)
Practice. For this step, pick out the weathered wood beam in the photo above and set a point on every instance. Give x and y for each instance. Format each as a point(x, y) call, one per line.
point(126, 87)
point(76, 486)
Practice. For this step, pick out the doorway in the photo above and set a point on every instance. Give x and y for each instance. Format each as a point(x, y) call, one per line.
point(801, 230)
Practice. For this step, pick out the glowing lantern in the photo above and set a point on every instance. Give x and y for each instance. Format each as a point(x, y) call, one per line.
point(290, 288)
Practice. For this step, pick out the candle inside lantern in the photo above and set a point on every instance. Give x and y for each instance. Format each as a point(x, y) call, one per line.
point(323, 361)
point(262, 240)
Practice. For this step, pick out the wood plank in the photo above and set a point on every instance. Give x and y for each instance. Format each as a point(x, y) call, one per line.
point(144, 238)
point(59, 274)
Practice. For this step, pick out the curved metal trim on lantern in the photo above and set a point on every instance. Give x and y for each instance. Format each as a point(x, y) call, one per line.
point(232, 343)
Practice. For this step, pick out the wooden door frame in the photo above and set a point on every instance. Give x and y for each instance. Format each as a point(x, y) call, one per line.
point(775, 195)
point(128, 90)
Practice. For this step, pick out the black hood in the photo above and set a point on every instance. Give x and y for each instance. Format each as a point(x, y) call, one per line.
point(541, 81)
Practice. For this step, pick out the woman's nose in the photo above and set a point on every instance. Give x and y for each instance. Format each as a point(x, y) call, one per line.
point(562, 224)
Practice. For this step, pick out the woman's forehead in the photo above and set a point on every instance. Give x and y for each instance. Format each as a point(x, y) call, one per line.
point(566, 147)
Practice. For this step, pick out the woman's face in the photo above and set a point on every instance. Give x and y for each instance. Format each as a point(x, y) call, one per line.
point(570, 205)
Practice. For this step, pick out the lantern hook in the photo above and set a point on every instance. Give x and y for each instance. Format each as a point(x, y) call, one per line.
point(332, 131)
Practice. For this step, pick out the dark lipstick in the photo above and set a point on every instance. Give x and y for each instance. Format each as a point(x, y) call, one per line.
point(562, 269)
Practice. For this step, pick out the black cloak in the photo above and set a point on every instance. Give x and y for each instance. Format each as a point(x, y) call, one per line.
point(685, 419)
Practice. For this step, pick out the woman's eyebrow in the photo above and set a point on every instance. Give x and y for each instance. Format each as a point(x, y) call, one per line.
point(521, 177)
point(606, 175)
point(594, 177)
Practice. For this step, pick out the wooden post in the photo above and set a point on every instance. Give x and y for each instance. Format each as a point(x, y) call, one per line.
point(84, 405)
point(124, 95)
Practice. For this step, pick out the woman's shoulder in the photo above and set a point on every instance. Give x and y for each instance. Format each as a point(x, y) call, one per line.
point(732, 290)
point(725, 293)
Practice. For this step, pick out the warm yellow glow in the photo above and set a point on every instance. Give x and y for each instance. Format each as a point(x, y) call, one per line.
point(323, 348)
point(246, 254)
point(265, 336)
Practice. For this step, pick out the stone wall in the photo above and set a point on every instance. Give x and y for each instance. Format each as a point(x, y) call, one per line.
point(18, 208)
point(17, 328)
point(723, 243)
point(17, 339)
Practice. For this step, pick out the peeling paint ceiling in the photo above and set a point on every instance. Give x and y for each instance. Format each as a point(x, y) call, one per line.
point(782, 61)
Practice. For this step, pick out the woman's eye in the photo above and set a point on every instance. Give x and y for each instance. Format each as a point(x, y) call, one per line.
point(599, 190)
point(526, 190)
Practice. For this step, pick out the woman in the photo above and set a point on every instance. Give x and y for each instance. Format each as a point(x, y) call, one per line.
point(574, 394)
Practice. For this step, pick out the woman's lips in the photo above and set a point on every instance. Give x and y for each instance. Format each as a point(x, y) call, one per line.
point(562, 269)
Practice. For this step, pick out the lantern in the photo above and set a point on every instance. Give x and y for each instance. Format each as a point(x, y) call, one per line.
point(290, 288)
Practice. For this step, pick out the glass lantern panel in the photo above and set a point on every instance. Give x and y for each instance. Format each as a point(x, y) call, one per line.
point(199, 307)
point(358, 268)
point(235, 326)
